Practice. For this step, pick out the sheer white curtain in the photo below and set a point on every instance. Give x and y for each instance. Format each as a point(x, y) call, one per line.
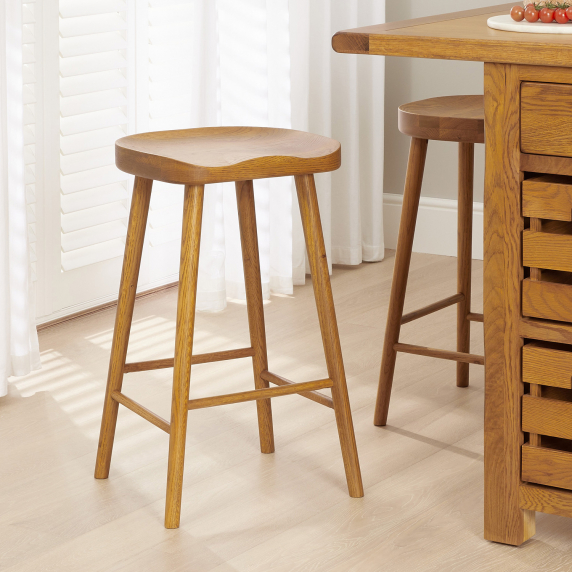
point(270, 64)
point(18, 339)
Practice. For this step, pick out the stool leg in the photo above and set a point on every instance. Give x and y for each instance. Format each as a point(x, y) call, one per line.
point(188, 274)
point(309, 210)
point(253, 285)
point(414, 178)
point(464, 256)
point(127, 290)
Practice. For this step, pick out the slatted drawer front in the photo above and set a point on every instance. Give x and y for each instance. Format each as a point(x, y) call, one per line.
point(543, 365)
point(547, 300)
point(547, 197)
point(547, 467)
point(547, 250)
point(546, 121)
point(549, 417)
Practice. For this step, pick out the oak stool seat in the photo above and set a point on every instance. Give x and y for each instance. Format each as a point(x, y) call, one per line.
point(196, 157)
point(451, 118)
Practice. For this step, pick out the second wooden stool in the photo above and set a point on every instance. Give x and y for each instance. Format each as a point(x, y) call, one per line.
point(453, 118)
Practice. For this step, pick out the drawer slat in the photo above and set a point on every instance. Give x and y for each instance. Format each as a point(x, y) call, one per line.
point(546, 366)
point(546, 127)
point(547, 417)
point(548, 197)
point(547, 467)
point(542, 499)
point(546, 250)
point(547, 300)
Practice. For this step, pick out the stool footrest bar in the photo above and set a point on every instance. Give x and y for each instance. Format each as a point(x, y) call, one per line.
point(312, 395)
point(257, 394)
point(475, 318)
point(432, 308)
point(201, 358)
point(441, 354)
point(141, 411)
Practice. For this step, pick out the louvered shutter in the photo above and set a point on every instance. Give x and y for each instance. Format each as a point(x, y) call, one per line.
point(93, 114)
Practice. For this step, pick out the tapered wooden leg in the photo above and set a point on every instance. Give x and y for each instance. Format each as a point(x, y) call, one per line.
point(188, 274)
point(309, 210)
point(253, 284)
point(414, 178)
point(464, 255)
point(123, 318)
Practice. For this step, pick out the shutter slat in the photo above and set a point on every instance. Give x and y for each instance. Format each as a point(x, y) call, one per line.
point(93, 217)
point(92, 140)
point(94, 235)
point(86, 25)
point(92, 44)
point(91, 63)
point(91, 179)
point(78, 162)
point(91, 121)
point(92, 254)
point(92, 82)
point(86, 103)
point(93, 198)
point(73, 8)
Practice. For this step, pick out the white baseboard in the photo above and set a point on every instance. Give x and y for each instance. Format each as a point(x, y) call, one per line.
point(436, 230)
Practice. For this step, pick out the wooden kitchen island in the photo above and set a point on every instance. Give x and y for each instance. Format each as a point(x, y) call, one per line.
point(527, 252)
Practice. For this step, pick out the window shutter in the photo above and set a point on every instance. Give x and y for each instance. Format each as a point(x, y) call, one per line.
point(93, 114)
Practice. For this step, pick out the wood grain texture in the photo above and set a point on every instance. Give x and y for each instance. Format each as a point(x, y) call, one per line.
point(534, 437)
point(466, 175)
point(255, 308)
point(547, 300)
point(546, 127)
point(547, 196)
point(219, 154)
point(457, 36)
point(547, 250)
point(505, 521)
point(413, 182)
point(543, 364)
point(545, 164)
point(547, 416)
point(316, 396)
point(186, 305)
point(547, 467)
point(124, 315)
point(317, 258)
point(559, 332)
point(545, 499)
point(141, 411)
point(432, 308)
point(459, 118)
point(258, 394)
point(441, 354)
point(195, 360)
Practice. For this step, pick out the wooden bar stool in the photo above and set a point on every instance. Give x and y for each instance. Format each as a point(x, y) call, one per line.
point(194, 158)
point(459, 119)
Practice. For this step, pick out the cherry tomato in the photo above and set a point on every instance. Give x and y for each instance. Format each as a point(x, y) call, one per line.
point(569, 13)
point(531, 13)
point(560, 16)
point(517, 13)
point(547, 15)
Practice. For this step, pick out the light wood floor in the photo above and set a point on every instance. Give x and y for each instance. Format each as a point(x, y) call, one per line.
point(244, 511)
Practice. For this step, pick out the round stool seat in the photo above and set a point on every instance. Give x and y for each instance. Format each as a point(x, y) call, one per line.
point(458, 118)
point(219, 154)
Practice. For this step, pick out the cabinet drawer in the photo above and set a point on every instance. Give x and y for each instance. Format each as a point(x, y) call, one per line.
point(546, 119)
point(547, 467)
point(547, 300)
point(548, 197)
point(547, 417)
point(546, 250)
point(545, 365)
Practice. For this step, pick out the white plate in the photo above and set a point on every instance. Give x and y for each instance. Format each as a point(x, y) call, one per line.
point(506, 23)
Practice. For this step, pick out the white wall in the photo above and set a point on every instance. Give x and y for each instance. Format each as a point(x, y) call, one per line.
point(413, 79)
